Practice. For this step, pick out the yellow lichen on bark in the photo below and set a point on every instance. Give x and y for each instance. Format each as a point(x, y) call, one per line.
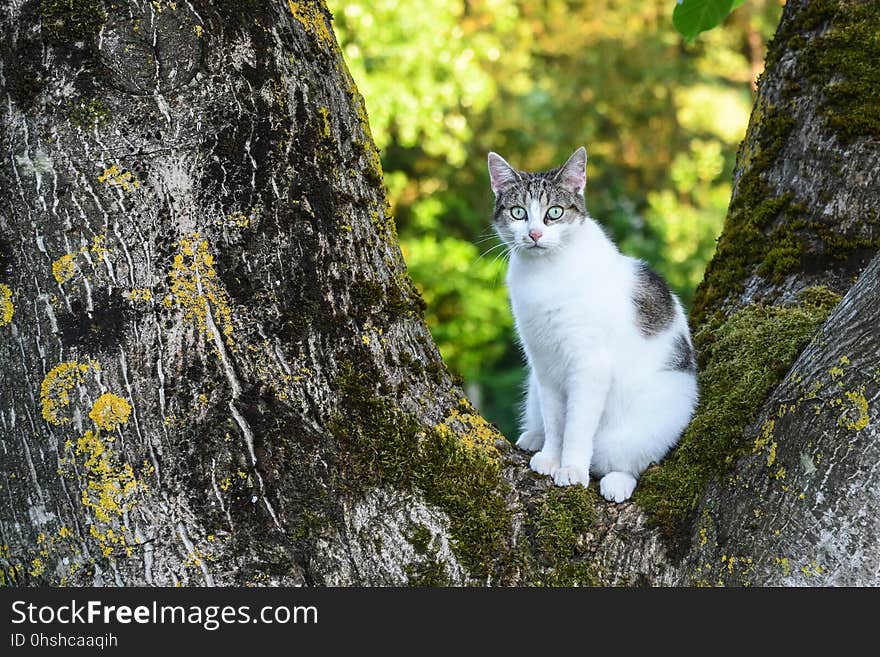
point(64, 268)
point(109, 411)
point(114, 177)
point(196, 289)
point(312, 19)
point(855, 410)
point(7, 310)
point(56, 386)
point(470, 428)
point(98, 248)
point(109, 485)
point(140, 294)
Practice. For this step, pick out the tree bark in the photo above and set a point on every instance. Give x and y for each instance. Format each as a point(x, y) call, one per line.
point(804, 205)
point(200, 267)
point(214, 365)
point(803, 507)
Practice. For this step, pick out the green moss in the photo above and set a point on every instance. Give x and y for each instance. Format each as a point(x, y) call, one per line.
point(367, 292)
point(748, 237)
point(420, 538)
point(392, 300)
point(390, 448)
point(742, 358)
point(560, 521)
point(71, 21)
point(383, 446)
point(400, 301)
point(845, 62)
point(435, 371)
point(429, 570)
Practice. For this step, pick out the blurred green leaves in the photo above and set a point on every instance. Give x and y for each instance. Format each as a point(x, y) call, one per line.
point(465, 311)
point(421, 68)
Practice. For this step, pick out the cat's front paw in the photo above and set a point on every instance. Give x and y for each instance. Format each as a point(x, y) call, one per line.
point(531, 441)
point(544, 463)
point(617, 486)
point(570, 475)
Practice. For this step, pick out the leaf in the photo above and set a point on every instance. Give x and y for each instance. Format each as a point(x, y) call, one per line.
point(691, 17)
point(736, 3)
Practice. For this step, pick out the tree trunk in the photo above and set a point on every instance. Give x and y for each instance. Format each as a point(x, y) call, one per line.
point(215, 370)
point(804, 206)
point(803, 506)
point(214, 365)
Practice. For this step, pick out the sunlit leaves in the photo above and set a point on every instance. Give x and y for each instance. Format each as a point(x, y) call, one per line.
point(420, 70)
point(465, 310)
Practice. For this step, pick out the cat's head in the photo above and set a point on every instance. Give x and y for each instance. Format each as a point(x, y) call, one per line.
point(535, 212)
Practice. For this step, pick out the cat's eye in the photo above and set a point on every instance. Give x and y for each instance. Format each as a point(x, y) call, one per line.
point(555, 212)
point(518, 212)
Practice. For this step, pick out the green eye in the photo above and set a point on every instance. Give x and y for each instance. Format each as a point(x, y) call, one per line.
point(518, 212)
point(555, 212)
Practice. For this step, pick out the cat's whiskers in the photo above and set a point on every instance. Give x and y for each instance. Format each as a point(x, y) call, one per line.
point(503, 254)
point(486, 238)
point(488, 251)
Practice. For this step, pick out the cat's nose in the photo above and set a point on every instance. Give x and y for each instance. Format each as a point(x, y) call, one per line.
point(535, 235)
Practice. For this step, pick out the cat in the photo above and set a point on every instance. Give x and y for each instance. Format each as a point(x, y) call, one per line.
point(612, 375)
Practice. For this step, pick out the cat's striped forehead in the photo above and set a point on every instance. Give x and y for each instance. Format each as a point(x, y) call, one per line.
point(538, 186)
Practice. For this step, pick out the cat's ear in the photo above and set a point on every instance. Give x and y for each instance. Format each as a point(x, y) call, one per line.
point(501, 174)
point(573, 174)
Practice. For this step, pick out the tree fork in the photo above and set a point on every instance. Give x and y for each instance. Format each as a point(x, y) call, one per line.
point(214, 365)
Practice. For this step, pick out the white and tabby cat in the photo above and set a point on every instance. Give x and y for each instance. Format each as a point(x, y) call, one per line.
point(612, 379)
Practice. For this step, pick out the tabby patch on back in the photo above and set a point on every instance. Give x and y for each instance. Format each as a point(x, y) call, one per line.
point(655, 307)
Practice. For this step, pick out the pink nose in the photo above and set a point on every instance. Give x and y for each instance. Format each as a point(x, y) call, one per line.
point(535, 235)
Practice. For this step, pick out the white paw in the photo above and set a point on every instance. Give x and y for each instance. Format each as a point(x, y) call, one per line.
point(531, 441)
point(569, 475)
point(617, 486)
point(544, 463)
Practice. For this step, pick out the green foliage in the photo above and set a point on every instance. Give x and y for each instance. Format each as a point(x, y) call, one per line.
point(447, 81)
point(742, 358)
point(691, 17)
point(464, 308)
point(419, 65)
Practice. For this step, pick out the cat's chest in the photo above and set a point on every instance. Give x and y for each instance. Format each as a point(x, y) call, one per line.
point(554, 305)
point(547, 308)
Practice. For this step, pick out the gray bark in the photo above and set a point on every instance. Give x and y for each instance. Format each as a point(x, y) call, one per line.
point(804, 507)
point(804, 205)
point(202, 177)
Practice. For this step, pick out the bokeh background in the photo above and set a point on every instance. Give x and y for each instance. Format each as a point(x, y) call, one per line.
point(446, 81)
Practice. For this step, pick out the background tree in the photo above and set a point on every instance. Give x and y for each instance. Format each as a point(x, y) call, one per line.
point(215, 370)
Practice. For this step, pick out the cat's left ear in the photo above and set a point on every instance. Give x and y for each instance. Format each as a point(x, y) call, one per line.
point(501, 174)
point(573, 174)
